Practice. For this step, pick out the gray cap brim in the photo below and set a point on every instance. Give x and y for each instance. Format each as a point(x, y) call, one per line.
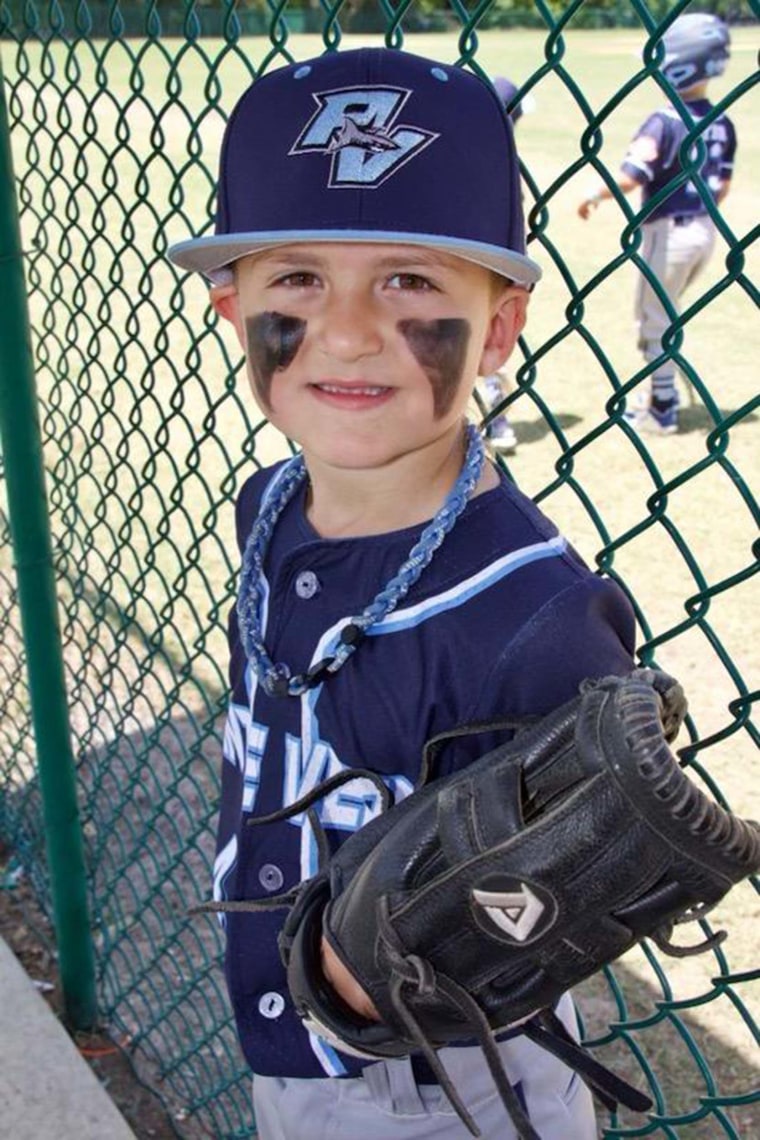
point(213, 256)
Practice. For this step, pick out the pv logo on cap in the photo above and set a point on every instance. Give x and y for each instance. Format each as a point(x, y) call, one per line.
point(358, 128)
point(520, 912)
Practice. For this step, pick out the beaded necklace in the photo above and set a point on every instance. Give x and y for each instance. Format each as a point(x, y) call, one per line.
point(277, 679)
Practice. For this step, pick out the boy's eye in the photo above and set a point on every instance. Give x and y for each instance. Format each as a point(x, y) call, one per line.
point(413, 282)
point(302, 279)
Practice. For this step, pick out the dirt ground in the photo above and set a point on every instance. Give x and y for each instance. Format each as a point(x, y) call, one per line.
point(25, 930)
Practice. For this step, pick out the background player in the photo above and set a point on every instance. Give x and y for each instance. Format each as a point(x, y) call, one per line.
point(367, 302)
point(679, 234)
point(499, 432)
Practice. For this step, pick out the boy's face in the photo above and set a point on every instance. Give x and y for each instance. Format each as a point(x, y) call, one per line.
point(362, 353)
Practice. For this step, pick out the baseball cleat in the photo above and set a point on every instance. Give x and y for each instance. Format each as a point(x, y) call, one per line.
point(653, 421)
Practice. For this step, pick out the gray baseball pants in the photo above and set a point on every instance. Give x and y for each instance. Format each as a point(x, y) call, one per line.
point(386, 1103)
point(677, 254)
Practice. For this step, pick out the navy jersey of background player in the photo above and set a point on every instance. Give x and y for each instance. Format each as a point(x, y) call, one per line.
point(653, 158)
point(506, 621)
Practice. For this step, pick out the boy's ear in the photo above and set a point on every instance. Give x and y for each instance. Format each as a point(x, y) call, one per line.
point(226, 303)
point(507, 322)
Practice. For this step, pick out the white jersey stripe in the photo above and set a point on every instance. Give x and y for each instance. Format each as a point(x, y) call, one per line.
point(461, 593)
point(328, 1057)
point(411, 616)
point(223, 863)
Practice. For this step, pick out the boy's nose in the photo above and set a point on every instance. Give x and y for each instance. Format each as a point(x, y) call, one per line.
point(350, 327)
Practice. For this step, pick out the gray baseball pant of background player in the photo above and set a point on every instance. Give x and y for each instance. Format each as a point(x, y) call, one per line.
point(677, 255)
point(387, 1103)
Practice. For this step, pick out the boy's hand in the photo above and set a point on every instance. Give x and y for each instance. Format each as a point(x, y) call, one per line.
point(345, 984)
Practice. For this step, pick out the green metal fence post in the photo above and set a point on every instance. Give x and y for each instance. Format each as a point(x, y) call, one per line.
point(27, 509)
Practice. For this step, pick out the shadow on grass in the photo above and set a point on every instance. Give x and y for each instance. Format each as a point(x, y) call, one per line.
point(148, 803)
point(695, 1057)
point(696, 418)
point(531, 431)
point(691, 419)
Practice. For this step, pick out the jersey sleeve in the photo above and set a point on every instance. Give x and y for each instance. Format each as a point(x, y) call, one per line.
point(586, 631)
point(644, 150)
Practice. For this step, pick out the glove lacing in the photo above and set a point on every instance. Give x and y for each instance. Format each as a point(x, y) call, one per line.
point(414, 977)
point(304, 804)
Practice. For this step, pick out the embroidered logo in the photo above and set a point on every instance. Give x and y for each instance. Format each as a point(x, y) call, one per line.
point(358, 128)
point(517, 912)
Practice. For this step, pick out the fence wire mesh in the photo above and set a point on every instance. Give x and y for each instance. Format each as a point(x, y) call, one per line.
point(116, 118)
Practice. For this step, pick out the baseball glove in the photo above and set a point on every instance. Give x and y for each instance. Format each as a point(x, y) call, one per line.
point(470, 907)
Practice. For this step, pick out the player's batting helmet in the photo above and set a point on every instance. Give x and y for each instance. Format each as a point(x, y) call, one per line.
point(696, 48)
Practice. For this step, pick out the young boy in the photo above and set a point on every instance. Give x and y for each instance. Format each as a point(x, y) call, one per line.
point(369, 254)
point(679, 234)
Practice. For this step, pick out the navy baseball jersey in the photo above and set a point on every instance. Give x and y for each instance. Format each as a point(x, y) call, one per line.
point(505, 621)
point(653, 158)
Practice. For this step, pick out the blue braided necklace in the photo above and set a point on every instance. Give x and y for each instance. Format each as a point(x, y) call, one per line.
point(277, 680)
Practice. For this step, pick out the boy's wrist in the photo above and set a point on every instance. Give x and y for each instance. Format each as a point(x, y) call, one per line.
point(345, 984)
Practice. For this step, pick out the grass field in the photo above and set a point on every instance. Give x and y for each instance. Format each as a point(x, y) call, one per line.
point(143, 429)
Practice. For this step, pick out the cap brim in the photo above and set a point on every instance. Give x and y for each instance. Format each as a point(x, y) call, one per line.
point(213, 256)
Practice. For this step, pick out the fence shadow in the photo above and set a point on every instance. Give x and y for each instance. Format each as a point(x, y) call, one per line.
point(148, 827)
point(531, 431)
point(692, 1058)
point(696, 418)
point(691, 418)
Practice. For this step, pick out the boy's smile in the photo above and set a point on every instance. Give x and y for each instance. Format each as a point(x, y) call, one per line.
point(366, 352)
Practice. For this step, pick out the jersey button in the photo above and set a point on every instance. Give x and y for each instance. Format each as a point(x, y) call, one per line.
point(307, 584)
point(271, 1005)
point(271, 877)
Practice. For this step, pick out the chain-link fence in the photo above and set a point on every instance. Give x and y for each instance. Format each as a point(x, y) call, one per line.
point(116, 113)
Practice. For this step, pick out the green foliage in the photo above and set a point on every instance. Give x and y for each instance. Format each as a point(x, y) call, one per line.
point(112, 18)
point(598, 13)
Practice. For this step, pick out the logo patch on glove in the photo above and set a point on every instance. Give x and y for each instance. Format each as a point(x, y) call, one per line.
point(514, 910)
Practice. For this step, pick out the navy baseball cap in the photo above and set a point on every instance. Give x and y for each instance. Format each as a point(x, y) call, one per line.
point(368, 145)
